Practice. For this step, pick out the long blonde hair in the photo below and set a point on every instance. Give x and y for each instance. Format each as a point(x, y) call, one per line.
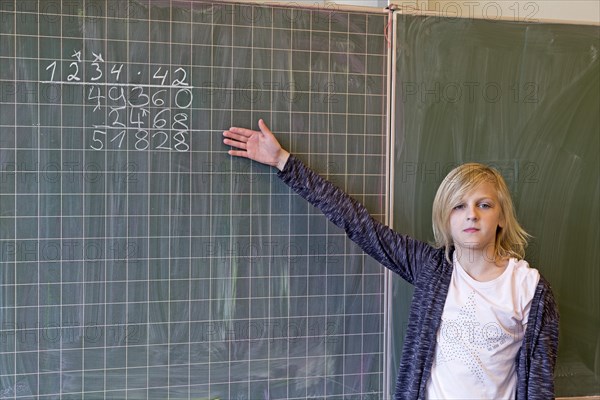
point(511, 239)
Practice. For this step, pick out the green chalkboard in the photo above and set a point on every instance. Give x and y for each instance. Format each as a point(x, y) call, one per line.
point(525, 98)
point(137, 258)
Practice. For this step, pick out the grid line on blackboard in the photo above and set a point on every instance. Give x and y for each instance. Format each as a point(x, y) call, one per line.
point(38, 208)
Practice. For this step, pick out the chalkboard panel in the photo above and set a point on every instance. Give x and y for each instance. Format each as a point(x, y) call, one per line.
point(524, 98)
point(137, 258)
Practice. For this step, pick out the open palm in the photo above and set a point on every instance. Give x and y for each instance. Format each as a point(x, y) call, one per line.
point(261, 146)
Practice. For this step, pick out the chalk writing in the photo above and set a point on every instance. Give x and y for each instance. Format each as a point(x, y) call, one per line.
point(141, 116)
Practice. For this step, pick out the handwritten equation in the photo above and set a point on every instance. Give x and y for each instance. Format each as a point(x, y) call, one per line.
point(149, 116)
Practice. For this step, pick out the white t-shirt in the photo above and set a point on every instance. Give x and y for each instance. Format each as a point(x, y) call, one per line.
point(482, 328)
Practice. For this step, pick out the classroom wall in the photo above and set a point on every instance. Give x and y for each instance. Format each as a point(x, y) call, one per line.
point(576, 11)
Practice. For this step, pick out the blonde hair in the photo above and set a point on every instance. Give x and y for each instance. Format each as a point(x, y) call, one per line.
point(511, 238)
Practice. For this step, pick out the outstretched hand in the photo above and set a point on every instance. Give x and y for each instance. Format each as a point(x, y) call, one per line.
point(259, 146)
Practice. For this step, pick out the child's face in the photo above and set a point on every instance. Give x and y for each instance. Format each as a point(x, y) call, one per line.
point(475, 219)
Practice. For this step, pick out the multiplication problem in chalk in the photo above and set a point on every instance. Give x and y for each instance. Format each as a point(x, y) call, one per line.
point(153, 115)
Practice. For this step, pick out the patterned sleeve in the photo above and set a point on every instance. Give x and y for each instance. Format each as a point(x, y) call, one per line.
point(539, 350)
point(401, 254)
point(544, 351)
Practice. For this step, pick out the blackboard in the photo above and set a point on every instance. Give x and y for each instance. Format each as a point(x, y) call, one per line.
point(523, 97)
point(138, 260)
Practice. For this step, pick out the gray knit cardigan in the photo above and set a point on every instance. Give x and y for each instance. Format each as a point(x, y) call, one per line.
point(426, 267)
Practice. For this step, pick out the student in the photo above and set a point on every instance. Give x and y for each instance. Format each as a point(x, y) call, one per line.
point(482, 324)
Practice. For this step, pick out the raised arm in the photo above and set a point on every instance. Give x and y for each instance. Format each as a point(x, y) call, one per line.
point(400, 253)
point(259, 146)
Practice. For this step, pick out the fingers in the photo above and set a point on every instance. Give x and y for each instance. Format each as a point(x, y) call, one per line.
point(232, 135)
point(238, 153)
point(235, 143)
point(237, 133)
point(241, 131)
